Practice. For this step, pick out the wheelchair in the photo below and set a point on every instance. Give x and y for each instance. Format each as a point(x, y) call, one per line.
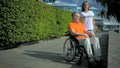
point(73, 49)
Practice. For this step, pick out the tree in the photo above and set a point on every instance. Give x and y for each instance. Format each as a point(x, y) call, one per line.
point(112, 8)
point(52, 1)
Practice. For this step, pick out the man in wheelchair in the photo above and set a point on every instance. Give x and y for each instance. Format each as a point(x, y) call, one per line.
point(85, 38)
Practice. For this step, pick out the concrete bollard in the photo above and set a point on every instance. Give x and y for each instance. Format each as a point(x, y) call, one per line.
point(103, 38)
point(114, 50)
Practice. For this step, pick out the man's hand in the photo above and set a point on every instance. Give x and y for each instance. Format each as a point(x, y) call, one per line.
point(86, 35)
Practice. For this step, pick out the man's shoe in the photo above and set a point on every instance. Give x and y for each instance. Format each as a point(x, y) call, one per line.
point(79, 62)
point(92, 64)
point(100, 63)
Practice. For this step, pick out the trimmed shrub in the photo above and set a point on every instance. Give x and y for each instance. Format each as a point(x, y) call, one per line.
point(30, 20)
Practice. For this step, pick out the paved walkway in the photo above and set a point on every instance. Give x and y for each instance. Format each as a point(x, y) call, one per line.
point(114, 50)
point(47, 54)
point(42, 54)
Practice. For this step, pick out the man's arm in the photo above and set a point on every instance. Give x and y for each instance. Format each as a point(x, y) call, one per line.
point(72, 32)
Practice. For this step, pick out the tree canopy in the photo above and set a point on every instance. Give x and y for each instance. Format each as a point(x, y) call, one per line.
point(52, 1)
point(112, 8)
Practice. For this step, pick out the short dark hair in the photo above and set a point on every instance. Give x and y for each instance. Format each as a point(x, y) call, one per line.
point(73, 14)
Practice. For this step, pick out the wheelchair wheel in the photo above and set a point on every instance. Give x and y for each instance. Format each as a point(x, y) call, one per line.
point(69, 50)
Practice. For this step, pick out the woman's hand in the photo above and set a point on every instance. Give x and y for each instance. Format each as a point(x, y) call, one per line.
point(86, 35)
point(91, 35)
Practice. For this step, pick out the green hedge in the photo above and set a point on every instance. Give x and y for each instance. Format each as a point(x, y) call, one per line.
point(29, 20)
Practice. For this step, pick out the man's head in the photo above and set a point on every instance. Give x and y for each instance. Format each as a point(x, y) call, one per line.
point(76, 16)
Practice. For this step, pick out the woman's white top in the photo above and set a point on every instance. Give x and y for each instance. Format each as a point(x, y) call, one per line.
point(87, 19)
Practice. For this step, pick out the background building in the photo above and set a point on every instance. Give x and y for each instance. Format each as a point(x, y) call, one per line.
point(102, 23)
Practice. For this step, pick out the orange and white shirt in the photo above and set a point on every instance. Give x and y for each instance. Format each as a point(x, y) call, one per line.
point(77, 27)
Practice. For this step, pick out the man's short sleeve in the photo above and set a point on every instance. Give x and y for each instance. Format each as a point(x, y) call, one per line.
point(70, 27)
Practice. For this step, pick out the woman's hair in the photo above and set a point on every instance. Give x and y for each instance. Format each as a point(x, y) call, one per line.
point(83, 5)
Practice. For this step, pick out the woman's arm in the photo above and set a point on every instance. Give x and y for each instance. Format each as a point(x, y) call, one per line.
point(94, 24)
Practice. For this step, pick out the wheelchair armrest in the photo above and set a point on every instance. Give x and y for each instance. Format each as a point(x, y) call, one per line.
point(67, 33)
point(74, 39)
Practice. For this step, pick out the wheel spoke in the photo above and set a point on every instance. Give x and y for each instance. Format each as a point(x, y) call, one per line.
point(69, 49)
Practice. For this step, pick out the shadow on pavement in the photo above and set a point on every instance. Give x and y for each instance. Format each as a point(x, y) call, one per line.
point(55, 57)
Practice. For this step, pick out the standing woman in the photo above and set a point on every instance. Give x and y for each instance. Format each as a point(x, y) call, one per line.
point(88, 18)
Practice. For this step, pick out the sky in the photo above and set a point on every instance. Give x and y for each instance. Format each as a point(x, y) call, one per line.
point(79, 3)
